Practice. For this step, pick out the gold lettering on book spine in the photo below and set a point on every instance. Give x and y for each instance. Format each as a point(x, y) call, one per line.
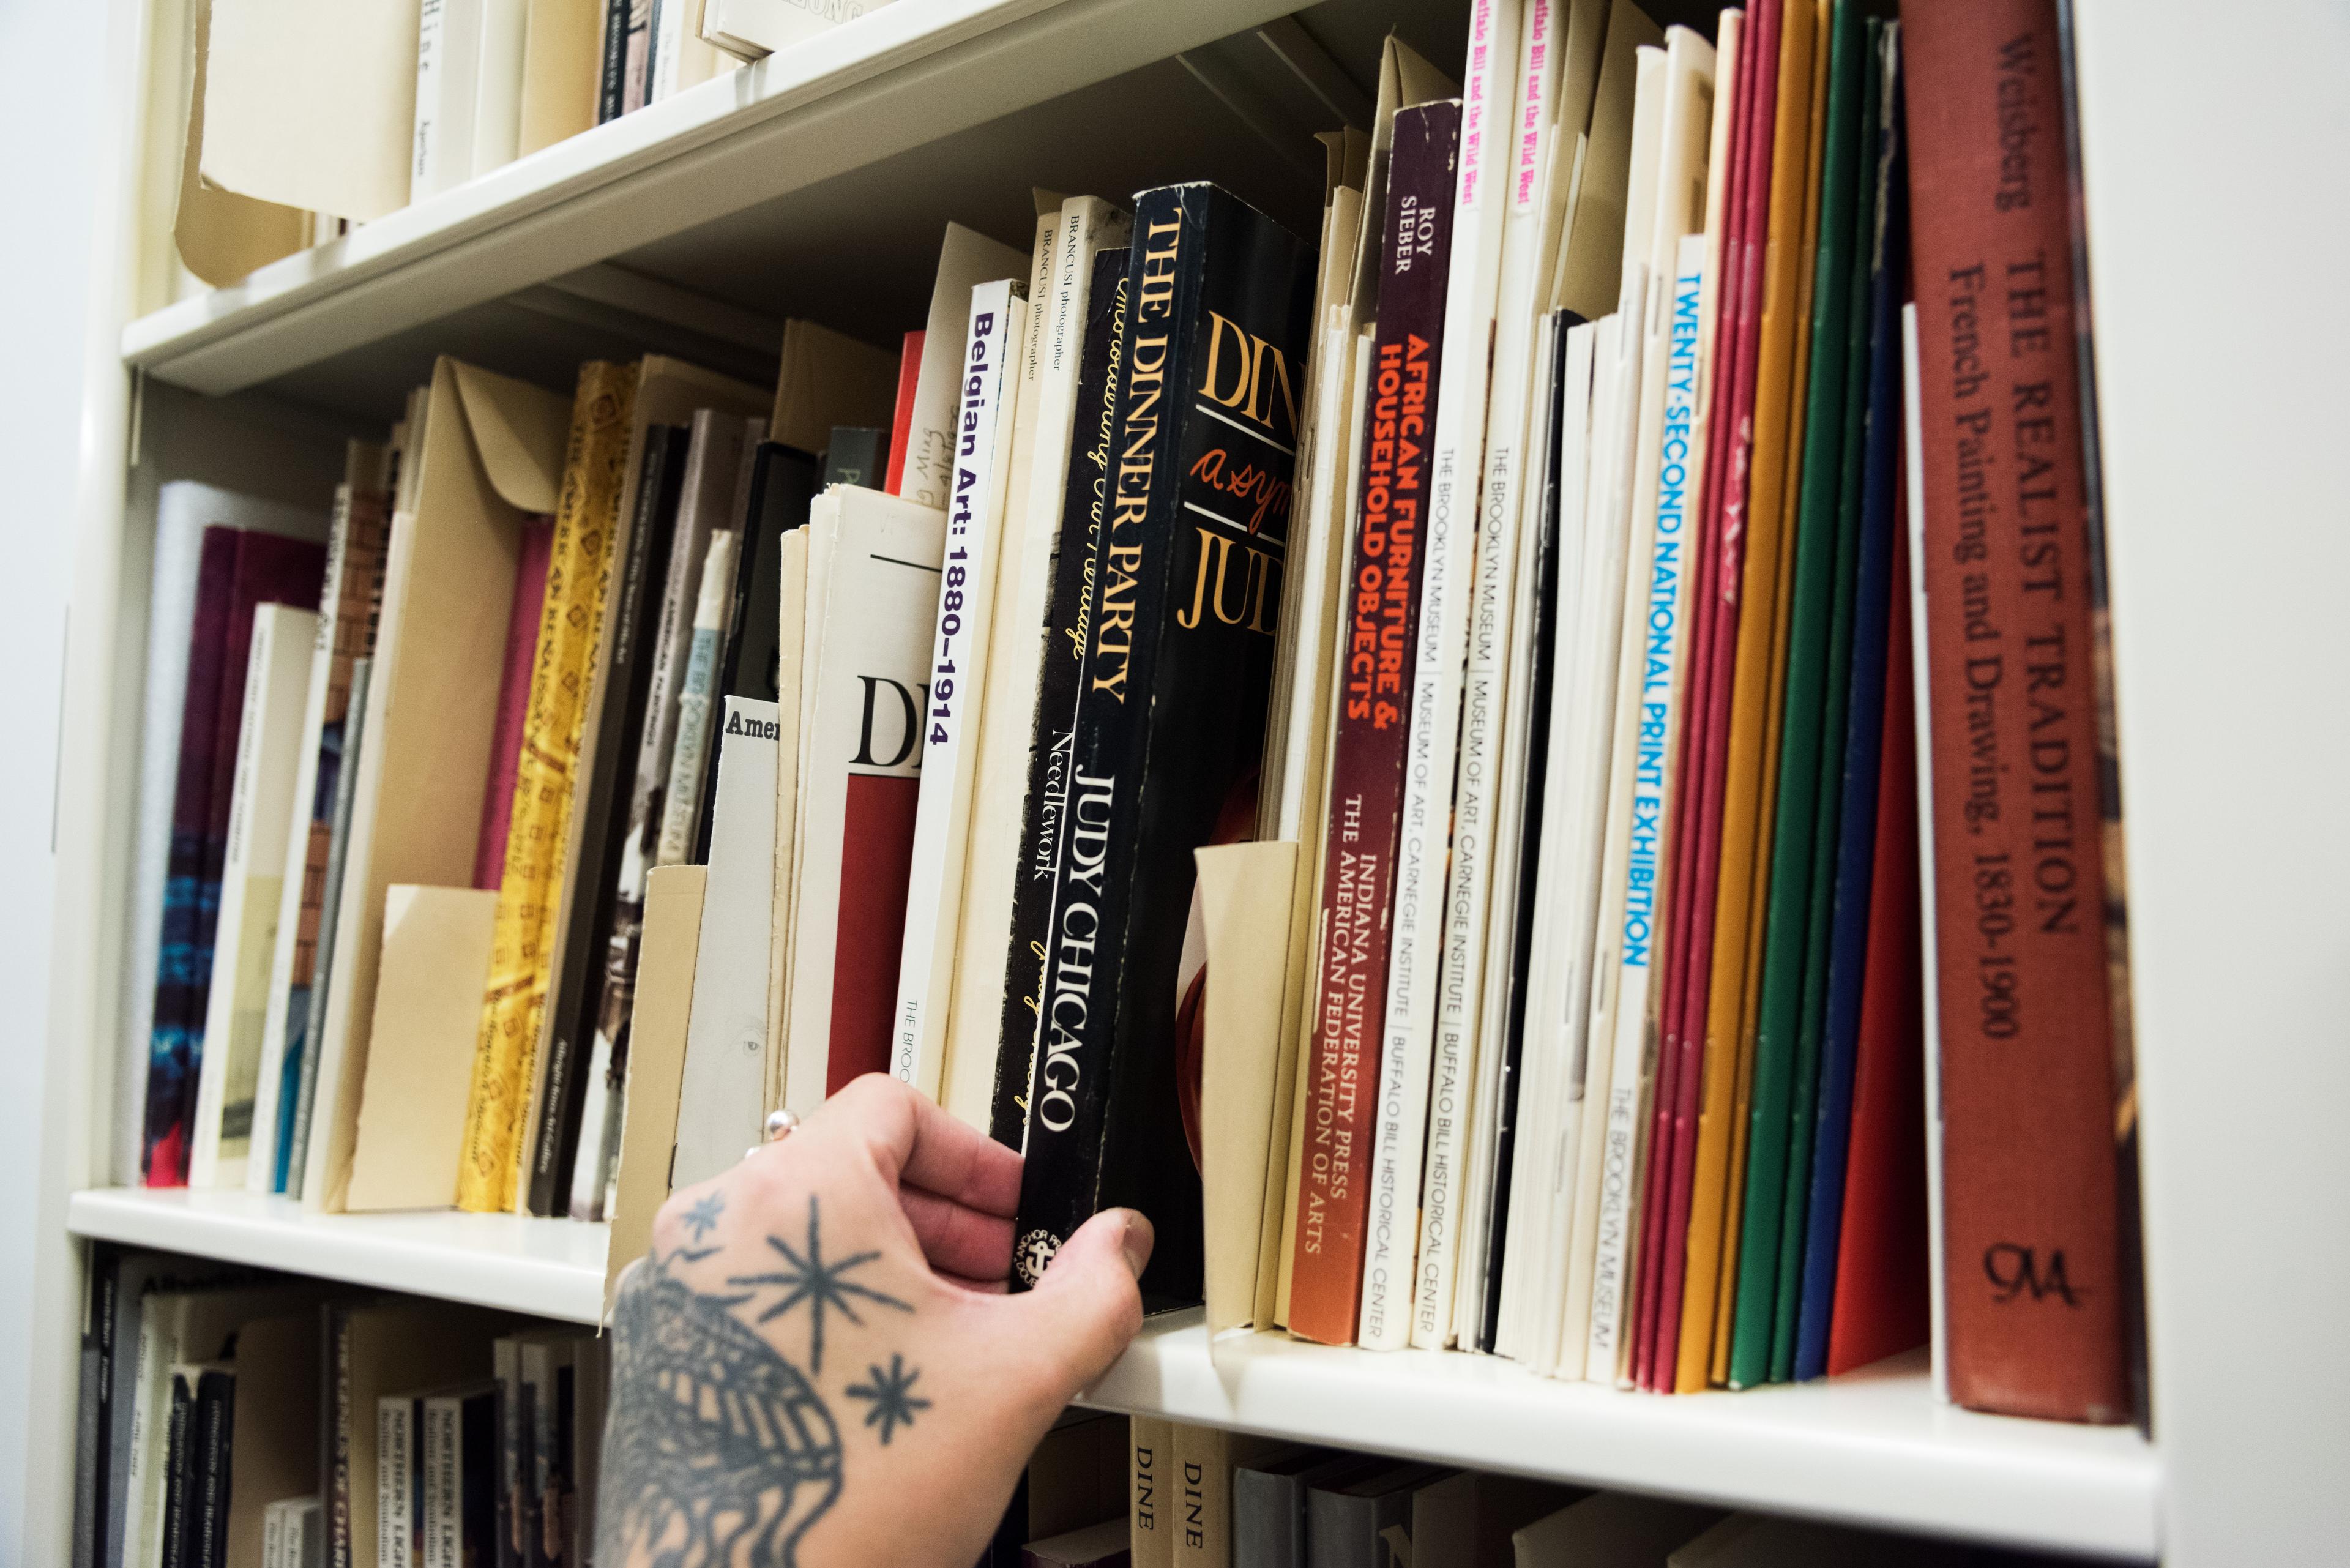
point(578, 580)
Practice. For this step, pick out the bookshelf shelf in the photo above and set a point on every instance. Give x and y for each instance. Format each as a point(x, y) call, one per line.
point(826, 168)
point(1875, 1448)
point(552, 1268)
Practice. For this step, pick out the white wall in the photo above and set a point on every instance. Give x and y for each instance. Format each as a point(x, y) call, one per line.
point(54, 124)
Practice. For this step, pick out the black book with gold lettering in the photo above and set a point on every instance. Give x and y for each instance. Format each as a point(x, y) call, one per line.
point(1169, 715)
point(1067, 616)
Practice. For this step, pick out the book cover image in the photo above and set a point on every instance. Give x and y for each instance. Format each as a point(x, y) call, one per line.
point(1171, 713)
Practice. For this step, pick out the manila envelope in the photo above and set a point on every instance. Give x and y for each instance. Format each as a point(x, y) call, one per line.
point(312, 105)
point(1243, 1092)
point(420, 1068)
point(489, 457)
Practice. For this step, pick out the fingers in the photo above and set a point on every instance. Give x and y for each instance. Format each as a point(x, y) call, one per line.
point(915, 1142)
point(1087, 1308)
point(959, 1240)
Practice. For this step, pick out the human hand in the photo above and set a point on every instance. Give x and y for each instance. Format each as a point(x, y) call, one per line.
point(817, 1364)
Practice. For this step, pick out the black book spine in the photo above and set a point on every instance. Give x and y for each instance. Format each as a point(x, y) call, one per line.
point(1170, 710)
point(338, 1439)
point(857, 454)
point(1540, 676)
point(93, 1438)
point(783, 484)
point(208, 1510)
point(179, 1472)
point(579, 988)
point(613, 80)
point(1068, 613)
point(477, 1467)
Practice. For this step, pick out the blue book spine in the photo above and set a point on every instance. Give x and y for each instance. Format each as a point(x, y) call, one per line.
point(1864, 742)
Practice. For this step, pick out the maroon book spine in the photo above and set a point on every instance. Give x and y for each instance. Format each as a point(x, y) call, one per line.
point(514, 701)
point(238, 570)
point(2032, 1256)
point(1366, 757)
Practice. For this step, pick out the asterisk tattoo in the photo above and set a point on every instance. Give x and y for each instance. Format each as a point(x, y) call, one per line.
point(703, 1218)
point(894, 1402)
point(820, 1283)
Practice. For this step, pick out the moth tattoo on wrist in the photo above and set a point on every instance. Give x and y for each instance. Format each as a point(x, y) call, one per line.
point(719, 1441)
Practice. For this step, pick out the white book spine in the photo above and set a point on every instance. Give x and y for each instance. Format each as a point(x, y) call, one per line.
point(1921, 675)
point(1392, 1225)
point(1655, 652)
point(1562, 1293)
point(722, 1088)
point(152, 1368)
point(681, 802)
point(958, 681)
point(1459, 1063)
point(273, 1534)
point(394, 1472)
point(305, 1530)
point(668, 36)
point(261, 802)
point(261, 1157)
point(497, 90)
point(448, 60)
point(443, 1543)
point(1527, 1095)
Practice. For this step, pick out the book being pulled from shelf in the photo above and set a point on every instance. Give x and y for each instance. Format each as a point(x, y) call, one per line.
point(1423, 766)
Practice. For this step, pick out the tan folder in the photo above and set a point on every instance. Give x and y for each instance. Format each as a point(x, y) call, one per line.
point(428, 1010)
point(488, 458)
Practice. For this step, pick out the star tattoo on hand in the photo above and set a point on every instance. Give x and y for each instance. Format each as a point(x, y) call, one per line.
point(703, 1218)
point(820, 1283)
point(891, 1392)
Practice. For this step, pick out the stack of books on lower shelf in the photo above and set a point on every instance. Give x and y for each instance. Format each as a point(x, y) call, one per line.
point(1200, 1498)
point(1484, 773)
point(230, 1415)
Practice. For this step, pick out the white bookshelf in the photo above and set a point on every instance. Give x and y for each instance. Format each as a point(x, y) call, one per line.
point(815, 185)
point(550, 1268)
point(1875, 1448)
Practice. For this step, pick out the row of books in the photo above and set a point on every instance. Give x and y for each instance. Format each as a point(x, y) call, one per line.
point(1604, 984)
point(1515, 586)
point(294, 779)
point(426, 97)
point(1202, 1498)
point(230, 1416)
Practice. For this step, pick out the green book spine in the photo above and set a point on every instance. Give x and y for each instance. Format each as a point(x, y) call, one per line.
point(1787, 912)
point(1827, 819)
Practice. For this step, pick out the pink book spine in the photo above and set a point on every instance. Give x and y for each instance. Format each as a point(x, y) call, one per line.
point(1739, 331)
point(513, 699)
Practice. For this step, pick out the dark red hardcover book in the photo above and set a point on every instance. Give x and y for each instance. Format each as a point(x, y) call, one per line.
point(1881, 1273)
point(877, 855)
point(513, 697)
point(901, 423)
point(2034, 1308)
point(237, 570)
point(1368, 751)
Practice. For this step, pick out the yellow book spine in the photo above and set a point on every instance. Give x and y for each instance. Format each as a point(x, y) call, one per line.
point(1751, 777)
point(578, 581)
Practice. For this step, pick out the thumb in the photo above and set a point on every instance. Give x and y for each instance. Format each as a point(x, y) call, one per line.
point(1087, 1304)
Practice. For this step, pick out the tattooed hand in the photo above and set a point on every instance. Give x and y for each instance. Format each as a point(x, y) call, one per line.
point(817, 1366)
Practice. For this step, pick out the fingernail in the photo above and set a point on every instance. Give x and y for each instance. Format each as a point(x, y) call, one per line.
point(1136, 1241)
